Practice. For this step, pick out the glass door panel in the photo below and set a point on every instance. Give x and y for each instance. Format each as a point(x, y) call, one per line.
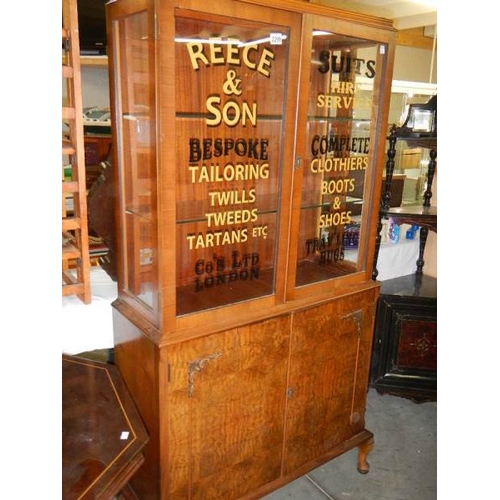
point(336, 161)
point(230, 85)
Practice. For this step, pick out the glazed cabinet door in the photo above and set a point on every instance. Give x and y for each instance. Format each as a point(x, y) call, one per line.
point(226, 410)
point(231, 155)
point(329, 368)
point(338, 155)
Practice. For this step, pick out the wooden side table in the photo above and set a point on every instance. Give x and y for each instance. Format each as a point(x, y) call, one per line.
point(102, 432)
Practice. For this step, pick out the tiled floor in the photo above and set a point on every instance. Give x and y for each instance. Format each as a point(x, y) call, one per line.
point(403, 463)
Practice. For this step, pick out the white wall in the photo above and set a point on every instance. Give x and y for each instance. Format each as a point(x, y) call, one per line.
point(414, 65)
point(95, 87)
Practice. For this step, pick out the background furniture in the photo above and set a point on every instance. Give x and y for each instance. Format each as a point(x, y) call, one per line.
point(425, 215)
point(101, 199)
point(404, 359)
point(97, 150)
point(75, 242)
point(396, 186)
point(102, 432)
point(242, 331)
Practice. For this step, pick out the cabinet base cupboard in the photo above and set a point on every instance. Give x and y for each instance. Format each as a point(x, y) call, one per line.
point(241, 412)
point(248, 147)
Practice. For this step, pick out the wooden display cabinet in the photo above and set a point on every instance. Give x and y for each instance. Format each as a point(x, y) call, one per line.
point(248, 138)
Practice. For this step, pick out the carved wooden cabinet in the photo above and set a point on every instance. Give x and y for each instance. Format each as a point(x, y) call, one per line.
point(404, 361)
point(248, 150)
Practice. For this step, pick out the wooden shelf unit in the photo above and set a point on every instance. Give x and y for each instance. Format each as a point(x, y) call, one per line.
point(91, 61)
point(424, 215)
point(404, 357)
point(75, 239)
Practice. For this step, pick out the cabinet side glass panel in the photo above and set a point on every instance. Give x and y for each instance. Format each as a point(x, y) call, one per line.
point(230, 92)
point(336, 158)
point(137, 169)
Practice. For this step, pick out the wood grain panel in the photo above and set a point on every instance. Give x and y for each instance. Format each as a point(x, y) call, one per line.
point(366, 304)
point(414, 37)
point(229, 391)
point(325, 361)
point(132, 350)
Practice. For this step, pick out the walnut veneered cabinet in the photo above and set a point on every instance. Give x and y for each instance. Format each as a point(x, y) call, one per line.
point(248, 151)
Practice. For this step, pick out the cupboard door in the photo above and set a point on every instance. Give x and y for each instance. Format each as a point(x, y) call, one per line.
point(226, 411)
point(329, 363)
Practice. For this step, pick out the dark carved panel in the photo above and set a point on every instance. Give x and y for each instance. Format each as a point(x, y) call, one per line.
point(417, 344)
point(404, 356)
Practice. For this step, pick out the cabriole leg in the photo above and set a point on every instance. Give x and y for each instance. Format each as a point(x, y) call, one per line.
point(363, 450)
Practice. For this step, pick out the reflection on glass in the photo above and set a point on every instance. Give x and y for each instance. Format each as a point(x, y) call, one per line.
point(229, 130)
point(338, 144)
point(421, 120)
point(137, 160)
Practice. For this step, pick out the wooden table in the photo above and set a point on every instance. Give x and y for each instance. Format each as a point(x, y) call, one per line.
point(102, 432)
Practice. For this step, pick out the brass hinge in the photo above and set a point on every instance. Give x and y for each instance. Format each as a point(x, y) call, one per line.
point(357, 317)
point(195, 366)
